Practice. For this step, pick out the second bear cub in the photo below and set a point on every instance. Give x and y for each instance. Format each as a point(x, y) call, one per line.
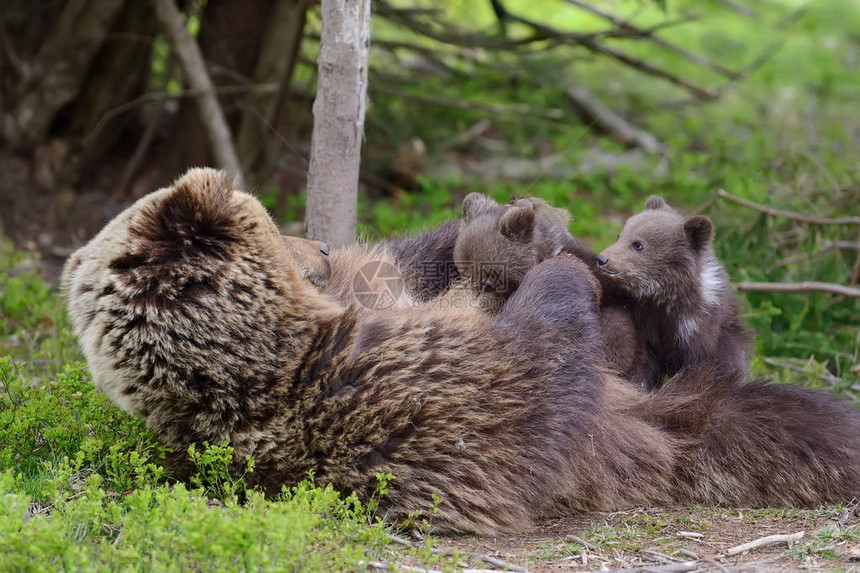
point(498, 244)
point(684, 308)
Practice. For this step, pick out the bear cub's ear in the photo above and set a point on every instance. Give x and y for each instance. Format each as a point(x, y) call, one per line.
point(475, 204)
point(699, 231)
point(654, 202)
point(518, 222)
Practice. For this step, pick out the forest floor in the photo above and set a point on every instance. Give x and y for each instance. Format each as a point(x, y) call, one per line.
point(648, 538)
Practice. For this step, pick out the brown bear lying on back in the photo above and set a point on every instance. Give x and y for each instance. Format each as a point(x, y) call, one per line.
point(193, 315)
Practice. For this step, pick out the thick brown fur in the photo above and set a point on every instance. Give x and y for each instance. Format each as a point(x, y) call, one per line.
point(498, 244)
point(193, 316)
point(685, 309)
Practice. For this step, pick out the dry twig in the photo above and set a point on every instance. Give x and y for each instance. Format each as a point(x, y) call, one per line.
point(670, 568)
point(764, 541)
point(387, 567)
point(690, 534)
point(812, 220)
point(582, 542)
point(639, 33)
point(803, 287)
point(542, 32)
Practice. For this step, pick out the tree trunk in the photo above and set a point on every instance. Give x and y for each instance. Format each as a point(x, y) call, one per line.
point(231, 33)
point(120, 72)
point(56, 74)
point(210, 110)
point(339, 109)
point(278, 56)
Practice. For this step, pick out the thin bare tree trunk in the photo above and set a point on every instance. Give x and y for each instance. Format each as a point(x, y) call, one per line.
point(339, 108)
point(210, 110)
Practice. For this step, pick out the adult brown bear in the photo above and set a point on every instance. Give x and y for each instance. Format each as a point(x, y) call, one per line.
point(193, 315)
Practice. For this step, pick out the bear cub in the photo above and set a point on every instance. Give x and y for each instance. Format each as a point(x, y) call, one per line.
point(684, 307)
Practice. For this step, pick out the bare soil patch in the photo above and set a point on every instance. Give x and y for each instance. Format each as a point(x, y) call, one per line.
point(657, 539)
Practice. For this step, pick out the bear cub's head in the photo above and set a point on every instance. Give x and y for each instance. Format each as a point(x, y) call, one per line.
point(498, 244)
point(660, 254)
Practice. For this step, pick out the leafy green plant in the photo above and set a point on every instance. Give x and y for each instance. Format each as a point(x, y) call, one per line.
point(213, 463)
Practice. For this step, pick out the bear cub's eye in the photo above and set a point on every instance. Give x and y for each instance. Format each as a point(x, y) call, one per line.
point(638, 245)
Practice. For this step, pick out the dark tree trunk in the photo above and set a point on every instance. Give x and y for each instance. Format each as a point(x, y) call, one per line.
point(119, 74)
point(231, 32)
point(263, 107)
point(56, 73)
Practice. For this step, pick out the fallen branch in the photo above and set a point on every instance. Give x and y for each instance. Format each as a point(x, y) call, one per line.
point(210, 110)
point(468, 136)
point(690, 534)
point(386, 567)
point(804, 287)
point(485, 558)
point(670, 568)
point(812, 220)
point(582, 542)
point(661, 557)
point(765, 541)
point(609, 122)
point(845, 245)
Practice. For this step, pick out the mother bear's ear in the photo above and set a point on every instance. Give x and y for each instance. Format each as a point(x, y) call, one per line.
point(197, 209)
point(475, 204)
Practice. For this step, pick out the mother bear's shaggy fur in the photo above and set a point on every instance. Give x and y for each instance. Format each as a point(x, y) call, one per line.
point(193, 316)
